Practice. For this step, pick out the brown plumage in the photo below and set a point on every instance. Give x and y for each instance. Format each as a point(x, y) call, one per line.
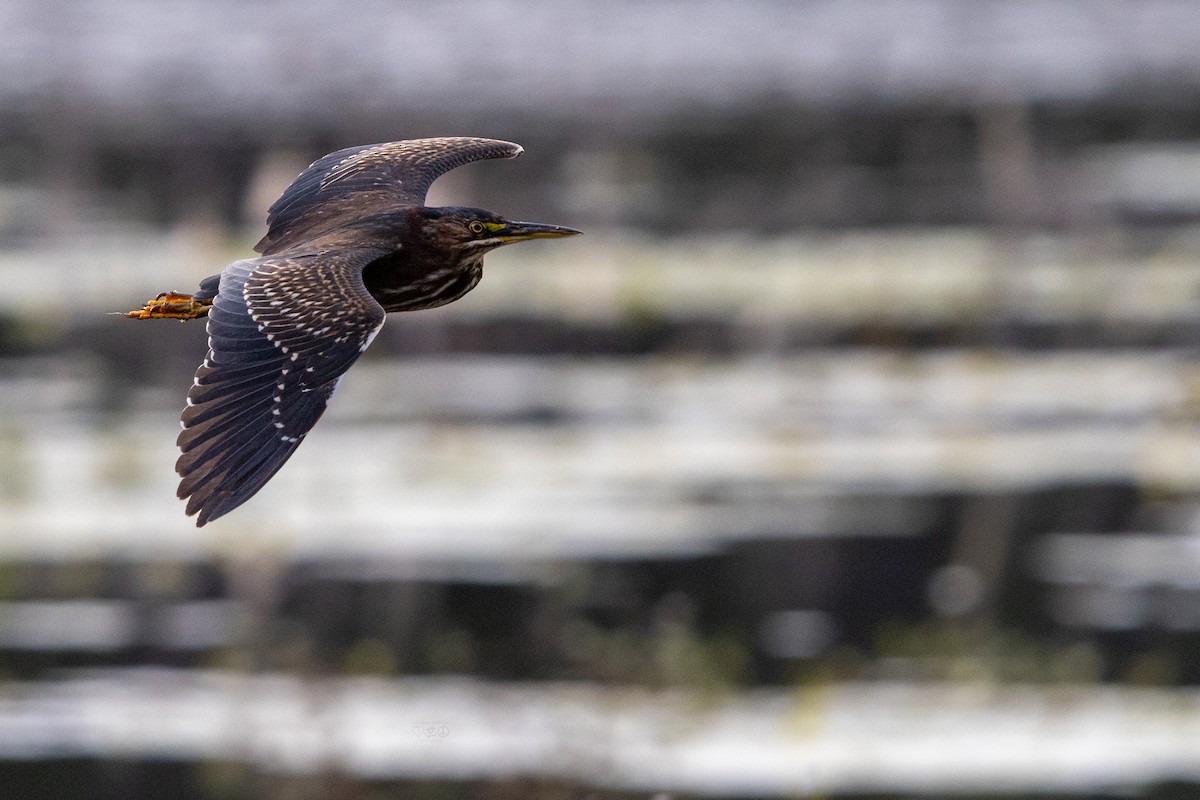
point(348, 241)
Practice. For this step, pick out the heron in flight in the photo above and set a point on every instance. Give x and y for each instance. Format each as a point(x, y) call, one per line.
point(350, 240)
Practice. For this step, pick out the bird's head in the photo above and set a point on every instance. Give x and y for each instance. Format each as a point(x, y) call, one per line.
point(470, 231)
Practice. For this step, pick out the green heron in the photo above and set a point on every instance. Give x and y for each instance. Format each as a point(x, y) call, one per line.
point(350, 240)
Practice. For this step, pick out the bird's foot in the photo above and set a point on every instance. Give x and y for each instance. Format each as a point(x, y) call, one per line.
point(172, 305)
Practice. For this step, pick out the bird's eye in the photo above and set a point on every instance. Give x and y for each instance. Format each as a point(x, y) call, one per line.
point(476, 227)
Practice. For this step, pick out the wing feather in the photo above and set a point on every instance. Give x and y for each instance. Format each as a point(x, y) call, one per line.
point(368, 179)
point(274, 360)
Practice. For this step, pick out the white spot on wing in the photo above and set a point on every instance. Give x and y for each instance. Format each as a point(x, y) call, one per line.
point(370, 338)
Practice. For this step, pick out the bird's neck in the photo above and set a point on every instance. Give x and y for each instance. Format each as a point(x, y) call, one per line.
point(416, 277)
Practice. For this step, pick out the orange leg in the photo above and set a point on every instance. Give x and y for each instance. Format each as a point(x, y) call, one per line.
point(172, 305)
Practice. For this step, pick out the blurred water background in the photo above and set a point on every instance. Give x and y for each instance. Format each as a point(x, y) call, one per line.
point(853, 452)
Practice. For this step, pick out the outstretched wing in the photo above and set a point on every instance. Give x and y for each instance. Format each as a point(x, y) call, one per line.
point(281, 332)
point(360, 181)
